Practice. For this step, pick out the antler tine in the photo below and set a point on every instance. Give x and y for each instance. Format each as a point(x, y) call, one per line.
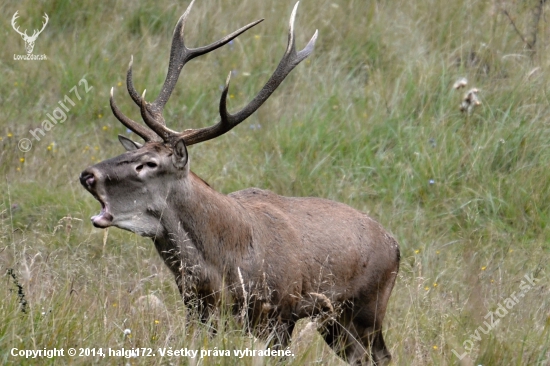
point(290, 59)
point(158, 127)
point(130, 83)
point(140, 130)
point(179, 56)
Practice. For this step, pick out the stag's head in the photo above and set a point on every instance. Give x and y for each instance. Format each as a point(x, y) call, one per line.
point(134, 188)
point(29, 40)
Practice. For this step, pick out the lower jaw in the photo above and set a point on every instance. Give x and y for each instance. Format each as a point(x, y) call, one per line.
point(102, 221)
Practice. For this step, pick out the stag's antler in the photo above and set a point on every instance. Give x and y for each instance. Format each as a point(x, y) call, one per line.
point(179, 56)
point(290, 59)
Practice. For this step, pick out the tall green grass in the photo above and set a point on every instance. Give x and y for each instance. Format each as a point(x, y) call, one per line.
point(370, 119)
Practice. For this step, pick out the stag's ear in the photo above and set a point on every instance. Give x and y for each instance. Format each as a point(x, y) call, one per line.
point(179, 156)
point(128, 144)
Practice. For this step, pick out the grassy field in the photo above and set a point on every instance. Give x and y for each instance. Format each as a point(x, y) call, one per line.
point(370, 119)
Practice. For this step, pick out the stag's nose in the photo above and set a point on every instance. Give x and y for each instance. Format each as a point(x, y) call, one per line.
point(87, 179)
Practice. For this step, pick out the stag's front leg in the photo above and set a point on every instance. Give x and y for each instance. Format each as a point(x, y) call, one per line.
point(193, 302)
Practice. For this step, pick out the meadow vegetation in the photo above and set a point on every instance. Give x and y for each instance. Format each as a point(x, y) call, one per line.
point(370, 119)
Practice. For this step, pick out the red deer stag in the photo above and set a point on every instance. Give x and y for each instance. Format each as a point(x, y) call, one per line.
point(275, 259)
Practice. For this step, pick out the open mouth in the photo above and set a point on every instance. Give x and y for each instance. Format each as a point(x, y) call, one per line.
point(104, 219)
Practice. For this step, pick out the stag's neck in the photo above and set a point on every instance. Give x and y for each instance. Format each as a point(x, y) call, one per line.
point(213, 223)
